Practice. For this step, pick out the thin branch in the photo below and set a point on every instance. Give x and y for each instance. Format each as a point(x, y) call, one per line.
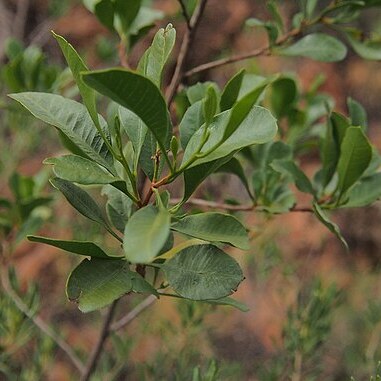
point(236, 208)
point(20, 18)
point(185, 13)
point(184, 50)
point(40, 323)
point(105, 331)
point(132, 315)
point(263, 51)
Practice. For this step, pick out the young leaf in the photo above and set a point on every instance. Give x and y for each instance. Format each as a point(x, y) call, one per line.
point(301, 181)
point(80, 200)
point(231, 91)
point(136, 93)
point(192, 120)
point(135, 129)
point(73, 120)
point(320, 214)
point(80, 170)
point(258, 127)
point(118, 207)
point(95, 283)
point(209, 105)
point(203, 272)
point(356, 154)
point(214, 227)
point(318, 46)
point(158, 53)
point(77, 66)
point(145, 234)
point(86, 248)
point(357, 113)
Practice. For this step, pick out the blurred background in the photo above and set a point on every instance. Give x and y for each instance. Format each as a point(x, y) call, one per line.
point(315, 310)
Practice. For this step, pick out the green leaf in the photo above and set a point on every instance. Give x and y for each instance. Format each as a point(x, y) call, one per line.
point(73, 120)
point(203, 272)
point(258, 127)
point(357, 113)
point(318, 46)
point(77, 66)
point(356, 154)
point(231, 91)
point(127, 11)
point(234, 167)
point(301, 181)
point(336, 130)
point(323, 218)
point(209, 105)
point(192, 120)
point(214, 227)
point(145, 234)
point(86, 248)
point(118, 207)
point(283, 96)
point(227, 301)
point(80, 170)
point(80, 200)
point(198, 91)
point(136, 93)
point(194, 176)
point(95, 283)
point(159, 53)
point(135, 129)
point(368, 49)
point(104, 10)
point(367, 191)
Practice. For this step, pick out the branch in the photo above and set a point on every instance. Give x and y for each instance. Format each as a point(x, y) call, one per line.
point(40, 323)
point(105, 331)
point(264, 51)
point(236, 208)
point(185, 13)
point(123, 322)
point(20, 18)
point(184, 50)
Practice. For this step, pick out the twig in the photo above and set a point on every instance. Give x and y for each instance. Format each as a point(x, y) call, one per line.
point(123, 322)
point(184, 50)
point(263, 51)
point(20, 18)
point(105, 331)
point(185, 13)
point(40, 323)
point(237, 208)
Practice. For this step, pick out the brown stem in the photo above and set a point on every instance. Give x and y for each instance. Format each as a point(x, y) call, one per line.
point(133, 314)
point(237, 208)
point(105, 331)
point(40, 323)
point(263, 51)
point(185, 13)
point(184, 50)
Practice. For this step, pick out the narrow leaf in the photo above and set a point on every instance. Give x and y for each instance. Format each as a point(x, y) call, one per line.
point(323, 218)
point(86, 248)
point(228, 301)
point(231, 91)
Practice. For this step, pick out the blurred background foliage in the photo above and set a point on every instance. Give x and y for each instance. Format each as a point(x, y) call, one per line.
point(315, 310)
